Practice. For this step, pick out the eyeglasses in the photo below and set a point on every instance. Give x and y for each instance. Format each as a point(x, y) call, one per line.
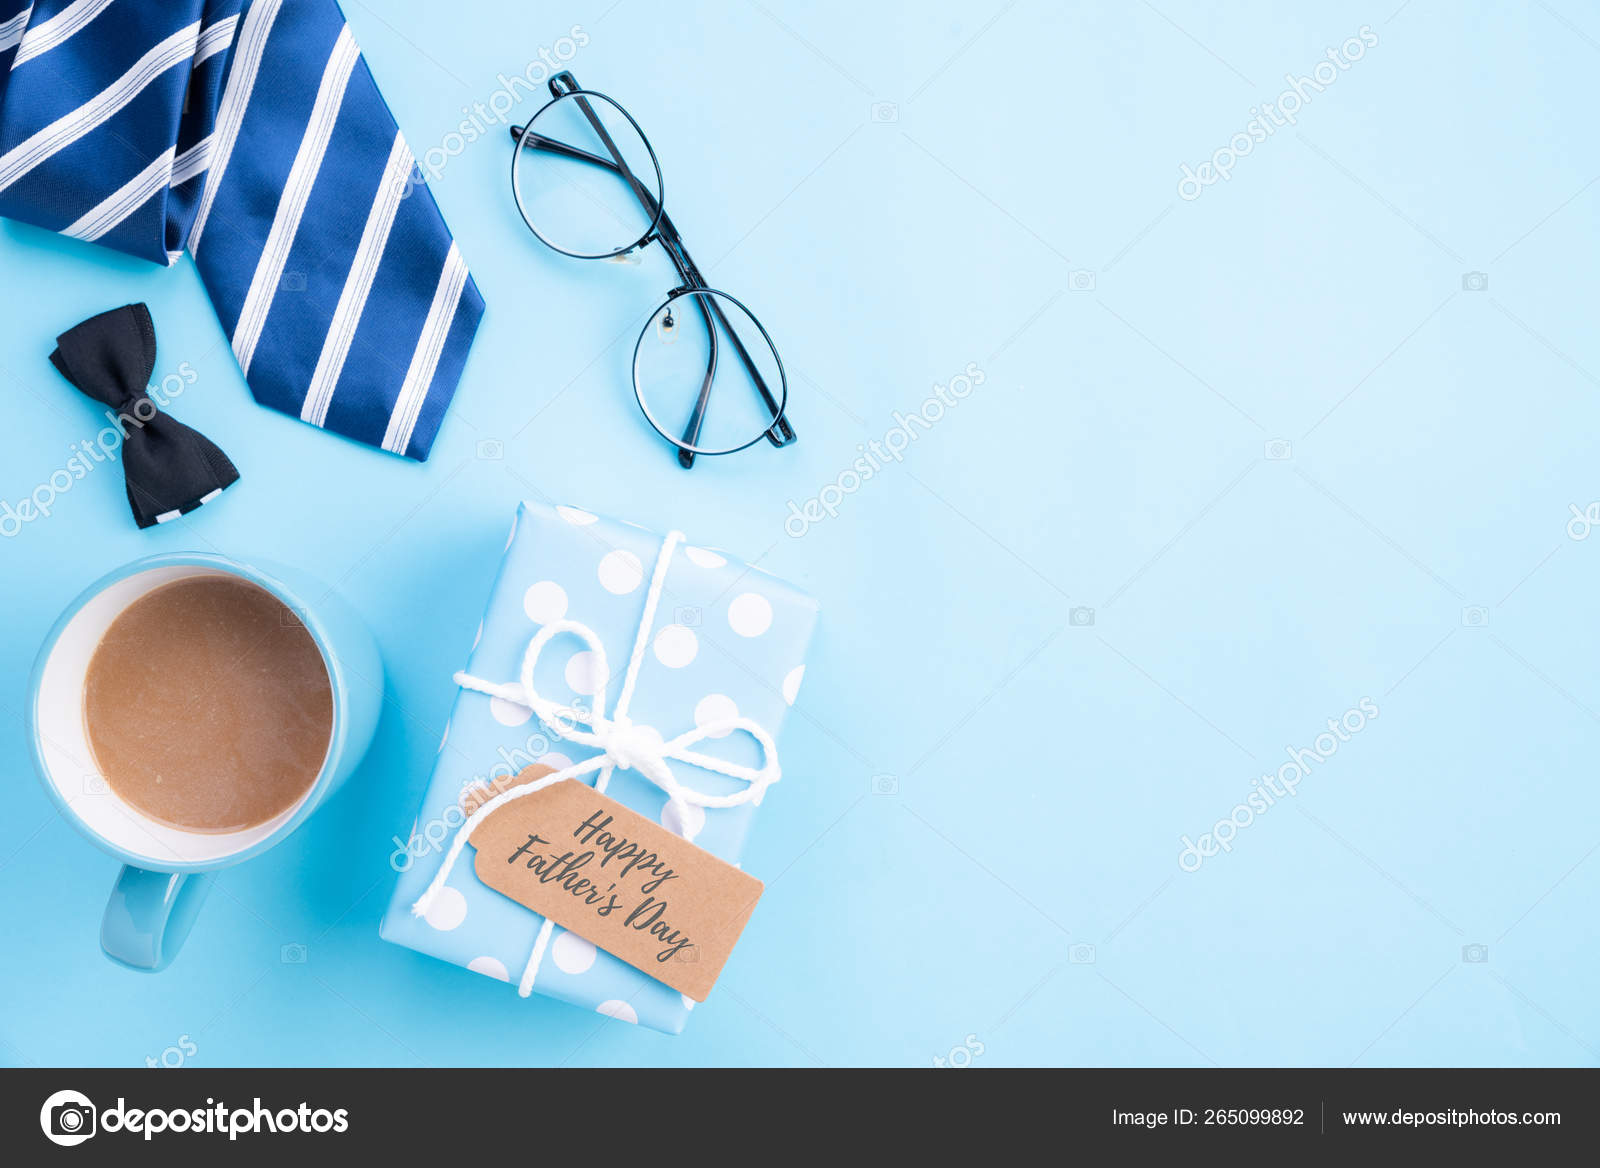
point(588, 184)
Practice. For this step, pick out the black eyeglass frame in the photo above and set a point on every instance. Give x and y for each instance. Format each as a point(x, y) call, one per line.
point(660, 229)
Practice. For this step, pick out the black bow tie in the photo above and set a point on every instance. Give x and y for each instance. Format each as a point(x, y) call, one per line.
point(170, 469)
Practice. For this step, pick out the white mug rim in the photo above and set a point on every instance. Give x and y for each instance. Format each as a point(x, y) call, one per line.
point(195, 851)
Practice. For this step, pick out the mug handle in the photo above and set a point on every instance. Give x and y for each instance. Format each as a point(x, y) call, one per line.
point(150, 914)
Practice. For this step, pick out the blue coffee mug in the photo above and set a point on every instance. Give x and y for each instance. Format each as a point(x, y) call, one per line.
point(167, 870)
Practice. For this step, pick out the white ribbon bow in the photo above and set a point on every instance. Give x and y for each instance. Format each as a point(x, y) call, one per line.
point(622, 742)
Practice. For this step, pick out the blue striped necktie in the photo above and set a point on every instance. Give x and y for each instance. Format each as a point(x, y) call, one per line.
point(251, 133)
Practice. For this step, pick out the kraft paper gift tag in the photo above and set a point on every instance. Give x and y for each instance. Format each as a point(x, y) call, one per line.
point(615, 878)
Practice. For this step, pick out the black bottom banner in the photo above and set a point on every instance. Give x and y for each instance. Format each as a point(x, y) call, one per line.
point(604, 1114)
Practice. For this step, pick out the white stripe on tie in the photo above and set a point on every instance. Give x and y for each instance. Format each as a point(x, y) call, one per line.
point(292, 203)
point(68, 128)
point(192, 161)
point(214, 39)
point(358, 284)
point(235, 99)
point(425, 360)
point(124, 201)
point(47, 34)
point(11, 31)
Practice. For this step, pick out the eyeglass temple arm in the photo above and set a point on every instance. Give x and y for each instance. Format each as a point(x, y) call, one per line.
point(781, 433)
point(618, 165)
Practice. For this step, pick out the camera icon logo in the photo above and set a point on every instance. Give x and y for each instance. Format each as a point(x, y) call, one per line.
point(67, 1118)
point(96, 785)
point(292, 954)
point(1475, 281)
point(1475, 954)
point(292, 282)
point(687, 615)
point(688, 954)
point(1475, 616)
point(1081, 954)
point(1081, 617)
point(884, 112)
point(1081, 280)
point(491, 450)
point(1278, 450)
point(885, 785)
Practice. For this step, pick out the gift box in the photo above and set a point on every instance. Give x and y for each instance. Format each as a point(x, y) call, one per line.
point(723, 641)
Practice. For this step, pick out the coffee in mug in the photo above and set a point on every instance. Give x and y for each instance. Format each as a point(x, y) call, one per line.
point(207, 705)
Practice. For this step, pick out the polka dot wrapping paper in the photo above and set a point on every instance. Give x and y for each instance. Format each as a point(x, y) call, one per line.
point(727, 639)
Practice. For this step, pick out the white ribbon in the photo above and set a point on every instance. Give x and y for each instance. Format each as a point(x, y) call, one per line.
point(621, 741)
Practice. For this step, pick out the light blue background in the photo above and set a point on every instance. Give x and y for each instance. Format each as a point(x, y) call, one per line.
point(1039, 772)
